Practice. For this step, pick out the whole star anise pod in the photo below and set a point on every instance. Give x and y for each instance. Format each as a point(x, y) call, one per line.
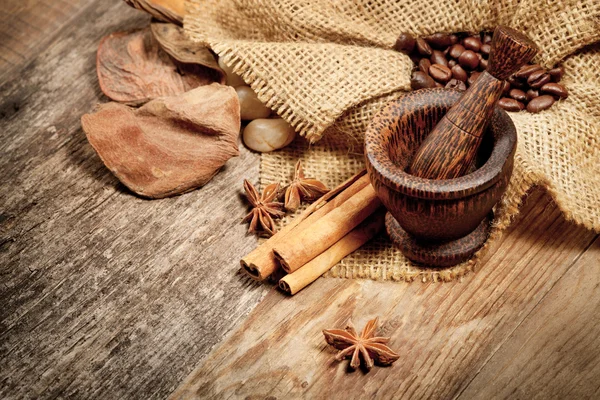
point(264, 208)
point(368, 346)
point(302, 188)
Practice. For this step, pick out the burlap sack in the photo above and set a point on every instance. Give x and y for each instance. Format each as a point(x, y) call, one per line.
point(327, 67)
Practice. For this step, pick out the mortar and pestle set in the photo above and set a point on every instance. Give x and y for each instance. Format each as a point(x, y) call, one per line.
point(440, 159)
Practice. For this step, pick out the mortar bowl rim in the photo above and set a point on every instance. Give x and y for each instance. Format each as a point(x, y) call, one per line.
point(394, 177)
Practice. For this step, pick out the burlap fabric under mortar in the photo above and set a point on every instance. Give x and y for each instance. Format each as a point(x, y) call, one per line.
point(327, 66)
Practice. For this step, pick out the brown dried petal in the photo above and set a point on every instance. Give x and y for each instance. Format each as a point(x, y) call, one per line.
point(369, 330)
point(292, 197)
point(269, 193)
point(133, 69)
point(163, 10)
point(382, 353)
point(170, 145)
point(251, 193)
point(177, 44)
point(339, 338)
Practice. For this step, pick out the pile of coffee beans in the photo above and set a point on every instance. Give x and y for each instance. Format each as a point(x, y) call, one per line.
point(455, 61)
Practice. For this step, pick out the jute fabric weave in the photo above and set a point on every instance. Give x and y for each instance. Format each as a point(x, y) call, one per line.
point(327, 67)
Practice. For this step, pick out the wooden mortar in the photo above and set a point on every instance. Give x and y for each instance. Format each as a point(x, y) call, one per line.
point(436, 222)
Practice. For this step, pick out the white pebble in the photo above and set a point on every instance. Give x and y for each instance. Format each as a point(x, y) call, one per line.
point(265, 135)
point(233, 79)
point(250, 106)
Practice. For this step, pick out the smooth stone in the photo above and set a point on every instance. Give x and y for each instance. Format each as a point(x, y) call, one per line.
point(264, 135)
point(250, 106)
point(233, 79)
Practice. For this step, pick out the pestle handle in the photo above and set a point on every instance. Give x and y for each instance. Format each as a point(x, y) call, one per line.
point(450, 148)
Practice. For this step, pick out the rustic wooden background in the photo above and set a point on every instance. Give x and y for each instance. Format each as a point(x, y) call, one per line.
point(106, 295)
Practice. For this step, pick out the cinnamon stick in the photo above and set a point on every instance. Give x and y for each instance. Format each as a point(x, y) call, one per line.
point(308, 273)
point(261, 263)
point(295, 250)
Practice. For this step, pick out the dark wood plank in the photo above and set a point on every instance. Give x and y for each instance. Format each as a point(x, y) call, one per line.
point(555, 352)
point(444, 332)
point(104, 295)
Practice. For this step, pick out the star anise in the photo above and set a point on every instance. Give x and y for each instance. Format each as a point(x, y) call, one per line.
point(368, 346)
point(264, 208)
point(302, 188)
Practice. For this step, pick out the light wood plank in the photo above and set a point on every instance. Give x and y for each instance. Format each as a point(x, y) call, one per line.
point(555, 352)
point(105, 295)
point(445, 332)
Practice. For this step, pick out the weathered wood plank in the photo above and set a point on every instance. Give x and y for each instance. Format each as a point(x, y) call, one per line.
point(28, 26)
point(104, 295)
point(555, 352)
point(445, 332)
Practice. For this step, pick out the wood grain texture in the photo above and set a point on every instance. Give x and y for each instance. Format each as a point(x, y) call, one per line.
point(446, 333)
point(104, 295)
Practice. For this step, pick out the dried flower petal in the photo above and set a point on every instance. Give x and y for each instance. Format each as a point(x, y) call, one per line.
point(264, 208)
point(302, 188)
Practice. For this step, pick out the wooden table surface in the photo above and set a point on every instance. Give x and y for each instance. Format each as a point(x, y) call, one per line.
point(106, 295)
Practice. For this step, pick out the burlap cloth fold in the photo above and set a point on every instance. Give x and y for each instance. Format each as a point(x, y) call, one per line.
point(327, 66)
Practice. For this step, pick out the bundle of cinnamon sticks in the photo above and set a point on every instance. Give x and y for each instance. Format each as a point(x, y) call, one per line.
point(327, 231)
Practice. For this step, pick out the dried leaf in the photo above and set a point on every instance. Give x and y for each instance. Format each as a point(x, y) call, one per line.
point(133, 69)
point(163, 10)
point(170, 145)
point(176, 43)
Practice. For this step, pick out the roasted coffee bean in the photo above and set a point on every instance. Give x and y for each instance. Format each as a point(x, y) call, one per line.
point(527, 70)
point(456, 84)
point(440, 73)
point(468, 59)
point(405, 43)
point(485, 48)
point(555, 89)
point(538, 78)
point(518, 95)
point(472, 43)
point(452, 63)
point(415, 58)
point(456, 50)
point(438, 58)
point(473, 78)
point(540, 103)
point(516, 82)
point(439, 40)
point(510, 104)
point(483, 64)
point(487, 38)
point(557, 73)
point(532, 94)
point(506, 88)
point(437, 84)
point(423, 47)
point(459, 73)
point(424, 65)
point(421, 80)
point(453, 39)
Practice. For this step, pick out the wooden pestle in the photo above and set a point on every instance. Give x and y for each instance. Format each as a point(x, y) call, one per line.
point(450, 148)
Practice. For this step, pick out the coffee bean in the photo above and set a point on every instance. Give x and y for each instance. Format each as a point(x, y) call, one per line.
point(532, 94)
point(438, 58)
point(485, 48)
point(420, 80)
point(405, 43)
point(459, 73)
point(440, 73)
point(506, 88)
point(538, 78)
point(510, 104)
point(555, 89)
point(456, 50)
point(540, 103)
point(483, 64)
point(516, 82)
point(456, 84)
point(517, 94)
point(452, 63)
point(487, 39)
point(557, 73)
point(424, 65)
point(527, 70)
point(439, 40)
point(423, 47)
point(437, 84)
point(468, 59)
point(472, 43)
point(473, 78)
point(453, 39)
